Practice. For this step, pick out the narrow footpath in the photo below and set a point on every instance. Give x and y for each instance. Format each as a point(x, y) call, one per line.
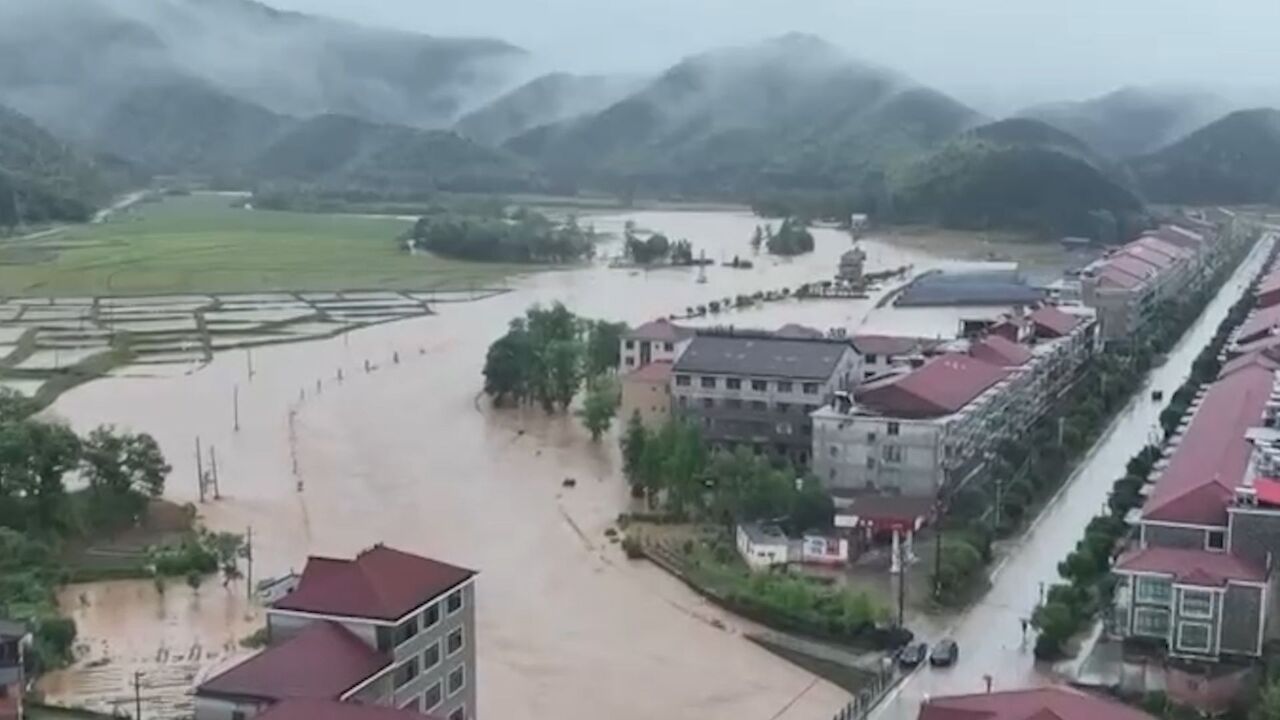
point(990, 633)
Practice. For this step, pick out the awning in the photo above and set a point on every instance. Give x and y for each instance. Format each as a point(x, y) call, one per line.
point(1268, 490)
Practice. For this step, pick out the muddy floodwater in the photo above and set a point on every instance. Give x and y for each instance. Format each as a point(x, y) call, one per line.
point(406, 452)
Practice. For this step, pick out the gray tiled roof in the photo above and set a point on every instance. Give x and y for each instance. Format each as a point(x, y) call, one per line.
point(990, 287)
point(759, 356)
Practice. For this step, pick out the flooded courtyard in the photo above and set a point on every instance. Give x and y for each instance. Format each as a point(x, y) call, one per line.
point(381, 435)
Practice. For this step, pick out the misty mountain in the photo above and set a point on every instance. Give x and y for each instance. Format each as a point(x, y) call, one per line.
point(1132, 121)
point(791, 113)
point(541, 101)
point(43, 178)
point(1021, 174)
point(64, 61)
point(1235, 160)
point(334, 153)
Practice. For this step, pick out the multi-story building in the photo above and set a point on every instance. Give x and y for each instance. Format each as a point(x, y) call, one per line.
point(646, 393)
point(919, 431)
point(656, 341)
point(1199, 578)
point(12, 637)
point(387, 629)
point(757, 389)
point(885, 354)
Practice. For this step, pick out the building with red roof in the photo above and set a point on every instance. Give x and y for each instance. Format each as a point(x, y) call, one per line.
point(1260, 324)
point(924, 428)
point(386, 628)
point(1051, 322)
point(1198, 578)
point(1055, 702)
point(884, 354)
point(646, 393)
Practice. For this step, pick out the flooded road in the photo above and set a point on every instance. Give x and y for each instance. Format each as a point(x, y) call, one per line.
point(405, 452)
point(990, 634)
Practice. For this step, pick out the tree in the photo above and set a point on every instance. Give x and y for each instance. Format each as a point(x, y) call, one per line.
point(563, 365)
point(34, 457)
point(508, 365)
point(757, 240)
point(599, 406)
point(604, 340)
point(124, 471)
point(633, 443)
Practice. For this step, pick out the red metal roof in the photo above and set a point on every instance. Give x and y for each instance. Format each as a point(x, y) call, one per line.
point(660, 329)
point(1054, 322)
point(1260, 324)
point(1118, 277)
point(1267, 345)
point(1131, 265)
point(1000, 351)
point(941, 386)
point(1179, 236)
point(1155, 258)
point(1047, 703)
point(1176, 252)
point(331, 710)
point(322, 662)
point(1192, 567)
point(1213, 456)
point(656, 372)
point(381, 584)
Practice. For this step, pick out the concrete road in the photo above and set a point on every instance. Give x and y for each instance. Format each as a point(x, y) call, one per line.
point(990, 633)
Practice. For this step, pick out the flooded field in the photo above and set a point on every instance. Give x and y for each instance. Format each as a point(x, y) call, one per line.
point(390, 442)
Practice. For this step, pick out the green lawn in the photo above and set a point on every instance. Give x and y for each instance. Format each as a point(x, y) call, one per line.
point(201, 243)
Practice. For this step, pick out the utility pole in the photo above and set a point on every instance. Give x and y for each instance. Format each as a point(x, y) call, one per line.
point(235, 406)
point(137, 695)
point(248, 556)
point(902, 582)
point(213, 469)
point(248, 358)
point(199, 469)
point(999, 488)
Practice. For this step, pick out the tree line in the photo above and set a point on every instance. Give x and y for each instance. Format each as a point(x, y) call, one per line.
point(656, 248)
point(525, 236)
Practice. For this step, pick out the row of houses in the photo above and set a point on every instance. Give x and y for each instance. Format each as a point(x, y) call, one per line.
point(1125, 286)
point(1199, 579)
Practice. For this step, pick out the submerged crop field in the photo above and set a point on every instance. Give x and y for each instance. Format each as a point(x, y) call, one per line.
point(206, 243)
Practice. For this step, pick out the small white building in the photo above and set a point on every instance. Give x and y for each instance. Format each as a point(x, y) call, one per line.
point(762, 546)
point(656, 341)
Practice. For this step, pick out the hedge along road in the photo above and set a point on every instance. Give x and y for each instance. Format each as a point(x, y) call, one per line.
point(990, 633)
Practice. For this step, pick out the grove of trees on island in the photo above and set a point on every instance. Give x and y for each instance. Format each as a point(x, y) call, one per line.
point(791, 238)
point(522, 236)
point(657, 248)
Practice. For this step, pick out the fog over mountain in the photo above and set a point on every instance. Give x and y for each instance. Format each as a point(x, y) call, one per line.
point(996, 55)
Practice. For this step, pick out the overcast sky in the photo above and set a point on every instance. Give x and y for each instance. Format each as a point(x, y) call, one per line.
point(996, 54)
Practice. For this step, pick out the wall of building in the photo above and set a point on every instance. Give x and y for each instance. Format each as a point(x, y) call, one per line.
point(638, 353)
point(283, 626)
point(650, 400)
point(858, 452)
point(208, 708)
point(1154, 535)
point(1255, 533)
point(413, 692)
point(1241, 616)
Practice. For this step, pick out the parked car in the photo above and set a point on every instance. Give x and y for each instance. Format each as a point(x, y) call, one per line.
point(913, 654)
point(945, 653)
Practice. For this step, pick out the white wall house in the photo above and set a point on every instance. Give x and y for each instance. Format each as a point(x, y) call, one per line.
point(762, 546)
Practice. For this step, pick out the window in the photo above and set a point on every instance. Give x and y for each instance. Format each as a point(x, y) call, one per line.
point(682, 380)
point(631, 344)
point(457, 679)
point(709, 382)
point(784, 386)
point(871, 463)
point(810, 388)
point(871, 437)
point(1196, 603)
point(683, 401)
point(405, 631)
point(454, 603)
point(454, 642)
point(785, 429)
point(894, 428)
point(733, 383)
point(759, 406)
point(1154, 591)
point(431, 616)
point(459, 714)
point(406, 672)
point(892, 454)
point(733, 403)
point(871, 358)
point(708, 403)
point(630, 361)
point(784, 407)
point(237, 715)
point(431, 657)
point(759, 385)
point(1151, 622)
point(1217, 540)
point(1194, 636)
point(669, 347)
point(835, 450)
point(432, 697)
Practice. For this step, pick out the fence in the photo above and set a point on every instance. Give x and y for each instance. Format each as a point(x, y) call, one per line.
point(866, 699)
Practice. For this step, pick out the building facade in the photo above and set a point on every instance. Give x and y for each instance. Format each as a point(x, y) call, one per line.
point(646, 393)
point(386, 628)
point(13, 637)
point(757, 390)
point(657, 341)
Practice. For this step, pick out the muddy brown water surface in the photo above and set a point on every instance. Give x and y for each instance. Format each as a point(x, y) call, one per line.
point(407, 453)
